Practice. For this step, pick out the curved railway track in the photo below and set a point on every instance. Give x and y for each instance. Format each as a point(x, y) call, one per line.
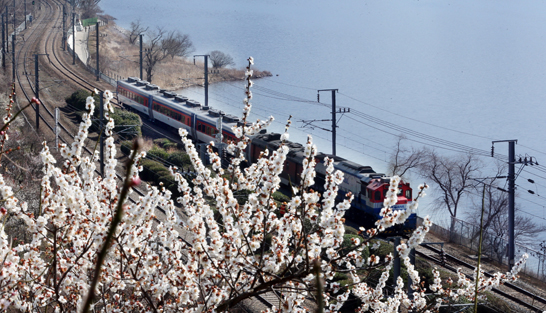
point(510, 291)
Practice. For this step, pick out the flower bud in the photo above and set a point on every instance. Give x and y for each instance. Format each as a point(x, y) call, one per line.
point(135, 181)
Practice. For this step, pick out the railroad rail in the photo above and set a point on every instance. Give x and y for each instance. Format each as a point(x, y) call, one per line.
point(515, 298)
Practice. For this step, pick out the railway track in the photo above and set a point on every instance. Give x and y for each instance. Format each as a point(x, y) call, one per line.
point(510, 291)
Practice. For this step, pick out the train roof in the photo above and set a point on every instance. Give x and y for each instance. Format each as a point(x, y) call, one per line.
point(272, 141)
point(181, 103)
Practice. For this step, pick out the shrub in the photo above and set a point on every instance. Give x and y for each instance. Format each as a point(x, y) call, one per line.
point(161, 141)
point(126, 147)
point(121, 117)
point(151, 170)
point(166, 143)
point(77, 99)
point(280, 197)
point(124, 119)
point(350, 230)
point(347, 244)
point(157, 152)
point(384, 248)
point(179, 159)
point(172, 145)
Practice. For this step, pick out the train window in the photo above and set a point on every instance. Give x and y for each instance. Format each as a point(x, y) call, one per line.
point(400, 190)
point(408, 194)
point(377, 195)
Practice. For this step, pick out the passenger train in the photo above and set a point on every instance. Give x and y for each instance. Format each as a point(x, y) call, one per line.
point(177, 111)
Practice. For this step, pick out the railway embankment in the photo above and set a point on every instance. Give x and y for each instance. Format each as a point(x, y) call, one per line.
point(118, 58)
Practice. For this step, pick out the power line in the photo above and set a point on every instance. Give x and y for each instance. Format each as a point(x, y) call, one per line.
point(413, 119)
point(286, 84)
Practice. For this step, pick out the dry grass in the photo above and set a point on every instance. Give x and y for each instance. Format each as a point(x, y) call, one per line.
point(147, 144)
point(119, 58)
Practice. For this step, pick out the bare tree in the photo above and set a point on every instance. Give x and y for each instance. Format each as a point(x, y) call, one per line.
point(136, 29)
point(175, 43)
point(162, 44)
point(88, 8)
point(525, 229)
point(452, 176)
point(404, 159)
point(220, 59)
point(154, 52)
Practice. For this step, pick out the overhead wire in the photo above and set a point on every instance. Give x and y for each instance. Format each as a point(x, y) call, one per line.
point(410, 118)
point(439, 143)
point(314, 134)
point(422, 138)
point(286, 84)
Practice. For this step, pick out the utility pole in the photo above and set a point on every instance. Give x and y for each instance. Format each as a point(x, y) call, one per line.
point(334, 126)
point(25, 14)
point(7, 29)
point(14, 29)
point(140, 38)
point(101, 135)
point(3, 44)
point(37, 88)
point(511, 194)
point(57, 128)
point(396, 265)
point(74, 39)
point(98, 70)
point(64, 27)
point(335, 110)
point(13, 55)
point(206, 76)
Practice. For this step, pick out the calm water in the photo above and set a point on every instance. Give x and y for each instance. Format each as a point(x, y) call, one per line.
point(464, 71)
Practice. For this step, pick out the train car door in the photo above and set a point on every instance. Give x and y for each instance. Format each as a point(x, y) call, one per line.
point(150, 107)
point(193, 132)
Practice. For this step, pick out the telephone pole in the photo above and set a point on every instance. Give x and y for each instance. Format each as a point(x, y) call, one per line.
point(333, 117)
point(73, 38)
point(37, 88)
point(206, 76)
point(335, 110)
point(511, 194)
point(3, 43)
point(140, 38)
point(101, 135)
point(98, 70)
point(64, 27)
point(7, 30)
point(13, 55)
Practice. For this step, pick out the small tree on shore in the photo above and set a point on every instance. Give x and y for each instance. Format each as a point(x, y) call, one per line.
point(177, 44)
point(162, 44)
point(220, 59)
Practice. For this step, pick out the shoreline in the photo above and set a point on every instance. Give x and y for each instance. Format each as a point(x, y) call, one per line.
point(176, 73)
